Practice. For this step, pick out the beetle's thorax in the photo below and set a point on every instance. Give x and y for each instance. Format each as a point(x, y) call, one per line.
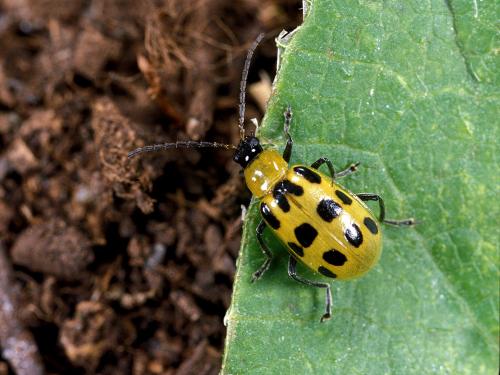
point(262, 168)
point(266, 170)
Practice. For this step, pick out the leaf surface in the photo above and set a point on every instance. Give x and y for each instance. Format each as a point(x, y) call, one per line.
point(409, 89)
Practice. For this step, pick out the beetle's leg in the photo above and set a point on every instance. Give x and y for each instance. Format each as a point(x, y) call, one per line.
point(318, 163)
point(292, 272)
point(286, 128)
point(375, 197)
point(269, 256)
point(351, 169)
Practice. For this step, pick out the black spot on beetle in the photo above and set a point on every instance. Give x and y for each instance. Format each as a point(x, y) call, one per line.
point(334, 257)
point(328, 210)
point(282, 202)
point(281, 189)
point(296, 248)
point(353, 235)
point(308, 174)
point(343, 197)
point(305, 234)
point(326, 272)
point(289, 187)
point(269, 217)
point(371, 225)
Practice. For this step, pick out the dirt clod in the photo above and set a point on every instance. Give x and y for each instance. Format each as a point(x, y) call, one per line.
point(89, 334)
point(17, 345)
point(53, 248)
point(93, 50)
point(114, 137)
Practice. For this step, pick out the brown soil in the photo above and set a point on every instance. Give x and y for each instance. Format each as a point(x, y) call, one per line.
point(110, 265)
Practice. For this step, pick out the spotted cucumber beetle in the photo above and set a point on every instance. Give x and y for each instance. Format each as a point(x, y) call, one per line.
point(322, 224)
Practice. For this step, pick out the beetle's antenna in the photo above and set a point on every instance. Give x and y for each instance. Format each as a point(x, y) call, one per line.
point(178, 144)
point(243, 83)
point(192, 144)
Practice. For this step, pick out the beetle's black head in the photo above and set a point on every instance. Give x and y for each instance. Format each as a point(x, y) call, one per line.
point(247, 150)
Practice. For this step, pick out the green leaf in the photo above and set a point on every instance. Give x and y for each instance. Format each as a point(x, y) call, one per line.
point(410, 89)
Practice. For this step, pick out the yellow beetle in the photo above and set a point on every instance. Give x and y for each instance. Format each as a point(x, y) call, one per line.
point(322, 224)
